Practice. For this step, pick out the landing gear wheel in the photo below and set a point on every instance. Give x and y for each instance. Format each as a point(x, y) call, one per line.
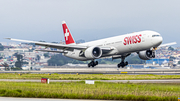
point(118, 65)
point(89, 65)
point(126, 63)
point(92, 63)
point(122, 64)
point(96, 62)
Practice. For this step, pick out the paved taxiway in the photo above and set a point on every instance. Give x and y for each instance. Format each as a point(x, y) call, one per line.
point(44, 99)
point(115, 81)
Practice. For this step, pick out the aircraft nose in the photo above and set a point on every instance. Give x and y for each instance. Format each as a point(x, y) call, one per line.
point(158, 41)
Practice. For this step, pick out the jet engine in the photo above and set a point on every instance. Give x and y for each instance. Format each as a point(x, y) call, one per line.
point(147, 55)
point(93, 52)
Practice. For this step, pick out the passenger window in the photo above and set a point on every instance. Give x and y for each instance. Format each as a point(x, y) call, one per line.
point(155, 35)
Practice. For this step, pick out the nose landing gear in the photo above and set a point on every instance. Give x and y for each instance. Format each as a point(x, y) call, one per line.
point(92, 63)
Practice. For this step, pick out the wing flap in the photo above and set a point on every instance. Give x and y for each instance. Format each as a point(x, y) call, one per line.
point(60, 51)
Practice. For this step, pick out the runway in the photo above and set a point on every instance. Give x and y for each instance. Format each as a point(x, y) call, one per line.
point(101, 71)
point(45, 99)
point(114, 81)
point(111, 71)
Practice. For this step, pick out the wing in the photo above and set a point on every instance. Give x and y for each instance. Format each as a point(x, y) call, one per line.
point(60, 46)
point(168, 44)
point(52, 45)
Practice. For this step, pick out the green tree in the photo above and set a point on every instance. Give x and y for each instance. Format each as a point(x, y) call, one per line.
point(102, 61)
point(19, 61)
point(171, 48)
point(38, 57)
point(15, 54)
point(1, 47)
point(77, 62)
point(46, 55)
point(31, 50)
point(171, 58)
point(6, 66)
point(58, 60)
point(178, 62)
point(134, 60)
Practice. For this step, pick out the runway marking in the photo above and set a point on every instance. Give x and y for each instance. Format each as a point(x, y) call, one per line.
point(124, 72)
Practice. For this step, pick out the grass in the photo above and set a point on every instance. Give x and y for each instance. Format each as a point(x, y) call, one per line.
point(100, 90)
point(56, 76)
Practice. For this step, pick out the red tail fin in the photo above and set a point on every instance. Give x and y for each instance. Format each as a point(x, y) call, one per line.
point(67, 35)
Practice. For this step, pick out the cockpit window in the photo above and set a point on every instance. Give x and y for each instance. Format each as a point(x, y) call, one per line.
point(155, 35)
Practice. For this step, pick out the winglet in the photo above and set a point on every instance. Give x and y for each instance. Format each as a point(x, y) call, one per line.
point(8, 38)
point(67, 35)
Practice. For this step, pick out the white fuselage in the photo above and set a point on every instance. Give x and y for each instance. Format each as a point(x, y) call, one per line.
point(122, 44)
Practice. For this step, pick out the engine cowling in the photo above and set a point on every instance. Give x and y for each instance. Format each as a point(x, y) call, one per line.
point(147, 55)
point(93, 53)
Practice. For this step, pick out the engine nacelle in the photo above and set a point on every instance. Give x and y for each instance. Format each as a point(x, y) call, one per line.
point(93, 53)
point(147, 55)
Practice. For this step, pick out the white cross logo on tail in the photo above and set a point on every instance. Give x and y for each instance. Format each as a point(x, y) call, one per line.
point(66, 34)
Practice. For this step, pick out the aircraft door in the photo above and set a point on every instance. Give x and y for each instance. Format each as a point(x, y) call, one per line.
point(143, 37)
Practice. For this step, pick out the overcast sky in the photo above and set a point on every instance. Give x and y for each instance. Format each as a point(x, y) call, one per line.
point(88, 19)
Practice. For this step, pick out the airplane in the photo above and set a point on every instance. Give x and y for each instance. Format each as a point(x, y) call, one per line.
point(144, 43)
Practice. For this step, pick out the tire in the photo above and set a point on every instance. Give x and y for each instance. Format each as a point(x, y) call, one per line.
point(118, 65)
point(96, 62)
point(126, 63)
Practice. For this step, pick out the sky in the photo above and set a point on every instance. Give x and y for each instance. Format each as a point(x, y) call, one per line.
point(88, 19)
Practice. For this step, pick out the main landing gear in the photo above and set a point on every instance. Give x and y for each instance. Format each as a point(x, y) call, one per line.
point(122, 64)
point(92, 63)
